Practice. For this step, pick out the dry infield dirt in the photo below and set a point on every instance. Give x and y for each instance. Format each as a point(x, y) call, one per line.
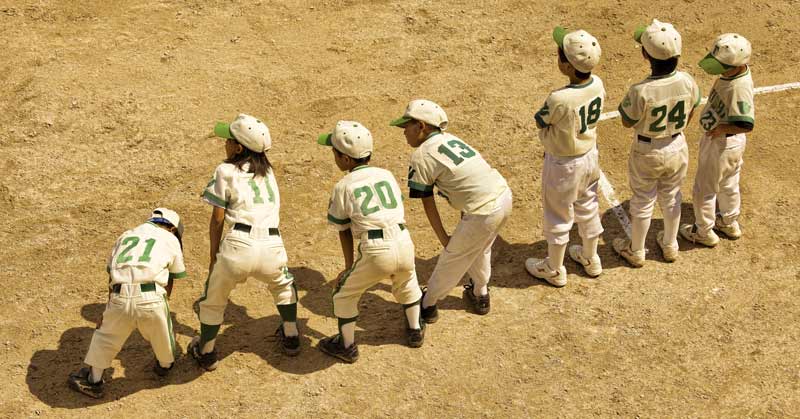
point(107, 109)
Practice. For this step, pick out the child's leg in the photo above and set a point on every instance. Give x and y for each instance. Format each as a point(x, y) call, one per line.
point(108, 339)
point(644, 168)
point(219, 285)
point(481, 269)
point(348, 292)
point(559, 193)
point(155, 325)
point(587, 212)
point(669, 190)
point(706, 183)
point(729, 198)
point(405, 286)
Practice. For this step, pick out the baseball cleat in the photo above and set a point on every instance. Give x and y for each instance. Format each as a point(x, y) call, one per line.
point(290, 345)
point(731, 231)
point(334, 346)
point(161, 371)
point(592, 267)
point(79, 381)
point(670, 253)
point(415, 337)
point(623, 248)
point(206, 361)
point(540, 269)
point(480, 305)
point(428, 314)
point(690, 234)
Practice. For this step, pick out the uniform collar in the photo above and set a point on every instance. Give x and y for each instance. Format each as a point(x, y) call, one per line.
point(433, 134)
point(581, 86)
point(363, 166)
point(663, 76)
point(744, 73)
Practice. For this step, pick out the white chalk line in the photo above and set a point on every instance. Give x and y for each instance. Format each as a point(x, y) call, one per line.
point(608, 190)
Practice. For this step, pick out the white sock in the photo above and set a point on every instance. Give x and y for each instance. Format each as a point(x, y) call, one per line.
point(165, 366)
point(639, 233)
point(290, 329)
point(208, 347)
point(426, 302)
point(479, 291)
point(412, 316)
point(671, 225)
point(349, 334)
point(555, 255)
point(590, 247)
point(96, 375)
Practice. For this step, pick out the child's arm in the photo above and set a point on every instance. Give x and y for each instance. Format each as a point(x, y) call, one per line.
point(346, 240)
point(432, 213)
point(215, 226)
point(170, 282)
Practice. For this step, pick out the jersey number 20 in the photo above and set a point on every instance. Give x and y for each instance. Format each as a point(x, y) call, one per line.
point(385, 195)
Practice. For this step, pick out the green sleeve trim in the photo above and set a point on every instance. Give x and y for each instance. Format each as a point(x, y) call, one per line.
point(539, 121)
point(338, 220)
point(214, 200)
point(735, 118)
point(699, 97)
point(625, 116)
point(178, 275)
point(419, 186)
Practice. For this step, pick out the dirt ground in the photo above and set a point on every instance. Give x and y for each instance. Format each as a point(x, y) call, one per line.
point(108, 108)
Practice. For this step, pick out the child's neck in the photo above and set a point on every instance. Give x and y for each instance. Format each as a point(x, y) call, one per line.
point(574, 80)
point(735, 71)
point(358, 166)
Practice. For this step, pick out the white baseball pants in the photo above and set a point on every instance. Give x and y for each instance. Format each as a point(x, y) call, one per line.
point(126, 311)
point(469, 250)
point(657, 170)
point(389, 257)
point(569, 194)
point(719, 164)
point(241, 256)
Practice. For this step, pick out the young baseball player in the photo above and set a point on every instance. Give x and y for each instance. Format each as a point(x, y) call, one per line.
point(471, 186)
point(568, 131)
point(141, 269)
point(244, 193)
point(658, 109)
point(367, 204)
point(728, 115)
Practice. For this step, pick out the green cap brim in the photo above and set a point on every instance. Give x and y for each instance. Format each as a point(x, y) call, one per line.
point(325, 139)
point(223, 130)
point(558, 35)
point(637, 34)
point(711, 65)
point(399, 122)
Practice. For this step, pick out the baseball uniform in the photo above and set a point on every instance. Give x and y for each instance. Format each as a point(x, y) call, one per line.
point(470, 185)
point(144, 259)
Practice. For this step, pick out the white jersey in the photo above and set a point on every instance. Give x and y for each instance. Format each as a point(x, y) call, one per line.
point(568, 119)
point(462, 176)
point(147, 253)
point(731, 100)
point(247, 199)
point(659, 106)
point(367, 198)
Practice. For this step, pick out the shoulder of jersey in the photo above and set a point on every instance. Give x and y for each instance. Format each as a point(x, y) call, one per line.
point(225, 169)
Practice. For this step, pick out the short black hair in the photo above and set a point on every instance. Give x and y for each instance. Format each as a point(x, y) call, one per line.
point(363, 160)
point(661, 67)
point(579, 74)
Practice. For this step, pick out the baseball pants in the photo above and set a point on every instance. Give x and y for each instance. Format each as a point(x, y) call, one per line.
point(391, 256)
point(126, 311)
point(569, 190)
point(717, 182)
point(241, 256)
point(656, 170)
point(469, 251)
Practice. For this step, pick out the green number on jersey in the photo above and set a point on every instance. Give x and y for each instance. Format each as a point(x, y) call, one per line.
point(131, 242)
point(592, 116)
point(385, 194)
point(677, 116)
point(257, 191)
point(708, 120)
point(464, 151)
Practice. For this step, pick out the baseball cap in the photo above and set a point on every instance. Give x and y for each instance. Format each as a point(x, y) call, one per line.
point(248, 131)
point(167, 216)
point(350, 138)
point(425, 111)
point(580, 47)
point(729, 50)
point(661, 40)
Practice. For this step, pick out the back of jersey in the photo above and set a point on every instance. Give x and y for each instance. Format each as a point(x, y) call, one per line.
point(568, 120)
point(368, 198)
point(247, 199)
point(659, 106)
point(146, 254)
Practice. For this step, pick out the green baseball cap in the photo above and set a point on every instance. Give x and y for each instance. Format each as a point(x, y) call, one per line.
point(558, 35)
point(729, 50)
point(223, 130)
point(325, 139)
point(399, 122)
point(712, 65)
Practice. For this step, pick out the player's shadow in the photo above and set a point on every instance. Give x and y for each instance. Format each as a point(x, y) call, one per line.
point(48, 369)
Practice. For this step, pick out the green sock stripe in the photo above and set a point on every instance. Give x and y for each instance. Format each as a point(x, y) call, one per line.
point(169, 327)
point(208, 333)
point(343, 321)
point(288, 312)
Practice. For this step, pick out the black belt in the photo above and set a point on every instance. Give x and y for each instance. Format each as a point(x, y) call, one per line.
point(378, 234)
point(644, 139)
point(246, 228)
point(150, 286)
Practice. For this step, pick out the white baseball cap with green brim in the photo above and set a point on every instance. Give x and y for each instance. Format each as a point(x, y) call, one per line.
point(169, 217)
point(425, 111)
point(248, 131)
point(661, 40)
point(729, 51)
point(349, 138)
point(580, 47)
